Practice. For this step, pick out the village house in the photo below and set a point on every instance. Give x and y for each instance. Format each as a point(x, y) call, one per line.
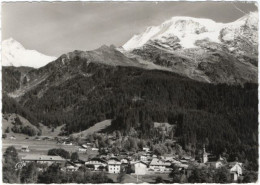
point(211, 160)
point(71, 167)
point(124, 161)
point(12, 137)
point(81, 149)
point(235, 169)
point(78, 163)
point(181, 165)
point(125, 165)
point(146, 149)
point(25, 149)
point(85, 146)
point(97, 163)
point(114, 165)
point(158, 165)
point(89, 144)
point(140, 168)
point(215, 162)
point(143, 158)
point(168, 158)
point(67, 143)
point(43, 159)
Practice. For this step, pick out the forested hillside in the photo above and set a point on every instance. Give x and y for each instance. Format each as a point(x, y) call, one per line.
point(224, 115)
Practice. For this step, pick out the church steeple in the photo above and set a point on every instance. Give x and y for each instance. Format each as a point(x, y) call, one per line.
point(204, 155)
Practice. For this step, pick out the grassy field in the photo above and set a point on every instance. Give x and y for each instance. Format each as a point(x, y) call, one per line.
point(42, 147)
point(96, 128)
point(49, 132)
point(140, 178)
point(152, 178)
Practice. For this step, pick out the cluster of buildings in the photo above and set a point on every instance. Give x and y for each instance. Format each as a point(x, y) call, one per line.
point(235, 168)
point(144, 164)
point(88, 146)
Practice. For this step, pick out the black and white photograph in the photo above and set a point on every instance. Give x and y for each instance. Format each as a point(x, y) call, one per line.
point(129, 92)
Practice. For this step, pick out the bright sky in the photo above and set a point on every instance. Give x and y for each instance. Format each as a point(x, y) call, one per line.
point(57, 28)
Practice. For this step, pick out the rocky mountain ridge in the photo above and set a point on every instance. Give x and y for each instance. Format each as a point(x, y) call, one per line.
point(202, 49)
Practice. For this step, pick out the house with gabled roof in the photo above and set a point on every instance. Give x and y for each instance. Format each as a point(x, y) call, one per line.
point(43, 159)
point(25, 149)
point(97, 163)
point(235, 169)
point(140, 168)
point(215, 162)
point(114, 165)
point(159, 165)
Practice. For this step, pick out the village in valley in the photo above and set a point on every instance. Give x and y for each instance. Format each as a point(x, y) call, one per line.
point(123, 159)
point(140, 92)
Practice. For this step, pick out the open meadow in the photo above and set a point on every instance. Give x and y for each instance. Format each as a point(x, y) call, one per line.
point(42, 147)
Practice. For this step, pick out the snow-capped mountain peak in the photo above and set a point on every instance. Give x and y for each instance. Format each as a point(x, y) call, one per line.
point(14, 54)
point(188, 30)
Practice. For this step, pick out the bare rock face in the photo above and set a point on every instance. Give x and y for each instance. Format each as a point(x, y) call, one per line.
point(202, 49)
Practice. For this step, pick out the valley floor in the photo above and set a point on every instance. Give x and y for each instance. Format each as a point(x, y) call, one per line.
point(41, 146)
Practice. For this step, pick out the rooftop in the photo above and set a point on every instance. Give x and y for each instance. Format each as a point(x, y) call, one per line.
point(158, 162)
point(35, 157)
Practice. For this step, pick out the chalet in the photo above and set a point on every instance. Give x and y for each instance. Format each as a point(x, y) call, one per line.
point(235, 169)
point(81, 149)
point(146, 149)
point(168, 158)
point(182, 166)
point(143, 158)
point(97, 163)
point(187, 158)
point(114, 165)
point(25, 149)
point(125, 164)
point(12, 137)
point(78, 163)
point(71, 168)
point(124, 161)
point(123, 154)
point(183, 161)
point(215, 162)
point(43, 159)
point(85, 146)
point(67, 143)
point(103, 156)
point(158, 165)
point(89, 144)
point(140, 168)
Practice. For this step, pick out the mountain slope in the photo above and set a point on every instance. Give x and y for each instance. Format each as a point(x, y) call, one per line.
point(14, 54)
point(187, 30)
point(201, 49)
point(81, 88)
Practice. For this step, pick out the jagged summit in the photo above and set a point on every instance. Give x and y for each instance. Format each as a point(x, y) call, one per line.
point(188, 30)
point(14, 54)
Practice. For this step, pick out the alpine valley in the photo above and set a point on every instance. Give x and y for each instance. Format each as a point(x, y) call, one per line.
point(195, 74)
